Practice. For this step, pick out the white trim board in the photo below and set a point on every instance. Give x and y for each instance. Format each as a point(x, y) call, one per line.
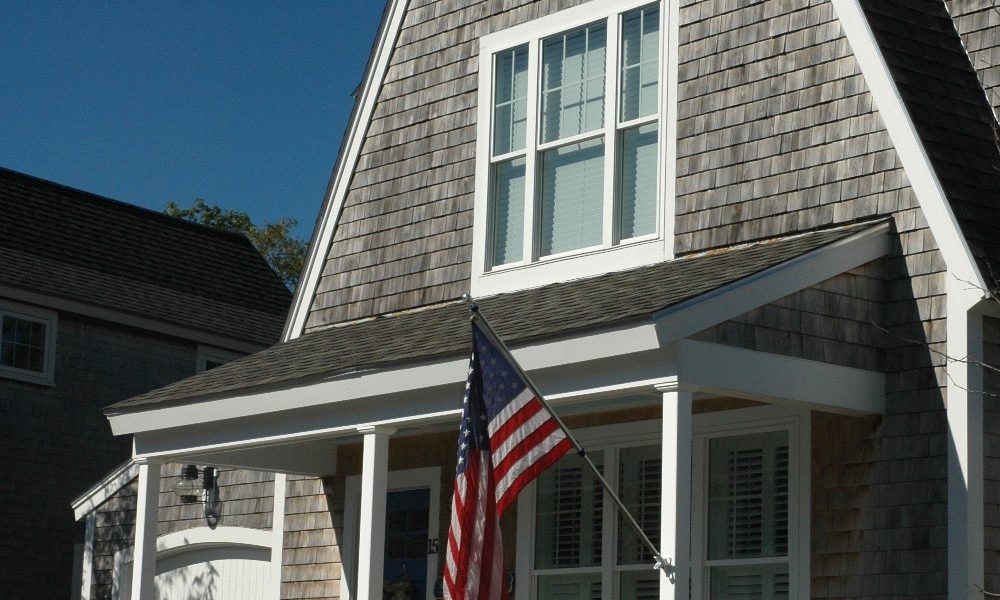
point(786, 278)
point(99, 493)
point(910, 149)
point(326, 224)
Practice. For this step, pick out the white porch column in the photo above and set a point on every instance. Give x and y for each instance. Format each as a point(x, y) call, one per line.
point(675, 510)
point(966, 533)
point(278, 531)
point(371, 532)
point(146, 519)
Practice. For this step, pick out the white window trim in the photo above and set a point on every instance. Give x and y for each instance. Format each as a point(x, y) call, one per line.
point(704, 427)
point(750, 421)
point(589, 261)
point(51, 321)
point(607, 437)
point(408, 479)
point(211, 353)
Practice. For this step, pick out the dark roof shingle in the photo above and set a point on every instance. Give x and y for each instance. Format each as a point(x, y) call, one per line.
point(79, 246)
point(443, 329)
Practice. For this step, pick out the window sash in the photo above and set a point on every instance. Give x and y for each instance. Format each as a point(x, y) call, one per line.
point(549, 127)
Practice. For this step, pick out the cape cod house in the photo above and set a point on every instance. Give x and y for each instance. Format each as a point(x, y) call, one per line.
point(100, 301)
point(744, 247)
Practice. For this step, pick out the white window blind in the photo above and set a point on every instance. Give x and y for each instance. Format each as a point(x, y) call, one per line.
point(573, 79)
point(572, 206)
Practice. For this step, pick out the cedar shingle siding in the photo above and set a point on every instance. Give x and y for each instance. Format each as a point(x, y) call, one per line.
point(777, 133)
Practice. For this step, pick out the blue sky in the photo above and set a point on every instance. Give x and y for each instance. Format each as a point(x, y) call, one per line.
point(241, 103)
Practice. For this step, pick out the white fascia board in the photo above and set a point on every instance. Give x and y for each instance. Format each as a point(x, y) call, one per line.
point(137, 321)
point(326, 224)
point(910, 149)
point(409, 379)
point(697, 314)
point(104, 489)
point(612, 381)
point(715, 368)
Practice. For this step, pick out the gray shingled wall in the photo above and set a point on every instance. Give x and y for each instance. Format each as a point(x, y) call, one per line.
point(57, 443)
point(830, 322)
point(247, 501)
point(404, 237)
point(314, 517)
point(978, 22)
point(777, 134)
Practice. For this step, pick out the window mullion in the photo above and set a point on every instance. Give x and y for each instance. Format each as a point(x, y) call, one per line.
point(530, 253)
point(611, 94)
point(609, 530)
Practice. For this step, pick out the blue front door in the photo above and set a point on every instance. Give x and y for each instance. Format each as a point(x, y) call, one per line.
point(406, 545)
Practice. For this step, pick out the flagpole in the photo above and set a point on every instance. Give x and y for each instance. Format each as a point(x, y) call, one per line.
point(580, 450)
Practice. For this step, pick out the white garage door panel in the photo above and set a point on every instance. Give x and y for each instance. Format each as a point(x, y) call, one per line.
point(214, 573)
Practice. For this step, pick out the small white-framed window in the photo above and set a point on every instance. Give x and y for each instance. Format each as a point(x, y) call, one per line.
point(750, 510)
point(569, 180)
point(210, 357)
point(27, 343)
point(573, 545)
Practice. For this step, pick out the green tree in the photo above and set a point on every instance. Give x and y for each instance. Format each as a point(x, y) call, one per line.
point(275, 242)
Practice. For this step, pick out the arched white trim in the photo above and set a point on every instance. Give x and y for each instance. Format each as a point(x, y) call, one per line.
point(192, 539)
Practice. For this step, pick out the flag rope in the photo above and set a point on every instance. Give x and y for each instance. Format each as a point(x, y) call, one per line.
point(660, 563)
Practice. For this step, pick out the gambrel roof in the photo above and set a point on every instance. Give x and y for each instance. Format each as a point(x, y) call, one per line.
point(79, 247)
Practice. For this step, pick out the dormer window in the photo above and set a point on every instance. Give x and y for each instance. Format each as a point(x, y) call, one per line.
point(571, 132)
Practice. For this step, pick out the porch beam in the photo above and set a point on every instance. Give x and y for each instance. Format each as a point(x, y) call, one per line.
point(780, 379)
point(146, 520)
point(675, 509)
point(371, 534)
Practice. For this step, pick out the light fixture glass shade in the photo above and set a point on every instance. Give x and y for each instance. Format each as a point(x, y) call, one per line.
point(188, 487)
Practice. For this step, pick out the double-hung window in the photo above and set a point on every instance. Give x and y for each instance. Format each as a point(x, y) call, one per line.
point(570, 129)
point(27, 342)
point(581, 548)
point(751, 507)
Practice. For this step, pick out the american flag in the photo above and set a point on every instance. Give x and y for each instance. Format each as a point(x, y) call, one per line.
point(507, 437)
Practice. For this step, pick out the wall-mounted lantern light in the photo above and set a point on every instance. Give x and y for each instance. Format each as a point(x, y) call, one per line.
point(200, 485)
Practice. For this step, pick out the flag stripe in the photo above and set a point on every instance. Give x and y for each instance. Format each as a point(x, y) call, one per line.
point(529, 457)
point(517, 429)
point(531, 440)
point(533, 471)
point(508, 411)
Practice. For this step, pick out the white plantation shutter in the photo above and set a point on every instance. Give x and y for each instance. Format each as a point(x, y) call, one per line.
point(568, 516)
point(748, 499)
point(639, 475)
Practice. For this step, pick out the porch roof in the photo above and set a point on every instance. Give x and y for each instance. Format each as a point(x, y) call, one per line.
point(442, 330)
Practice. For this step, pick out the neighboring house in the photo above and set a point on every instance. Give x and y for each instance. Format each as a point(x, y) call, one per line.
point(733, 242)
point(100, 301)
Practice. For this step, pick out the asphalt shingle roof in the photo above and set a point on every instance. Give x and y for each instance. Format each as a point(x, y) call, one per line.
point(79, 246)
point(443, 330)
